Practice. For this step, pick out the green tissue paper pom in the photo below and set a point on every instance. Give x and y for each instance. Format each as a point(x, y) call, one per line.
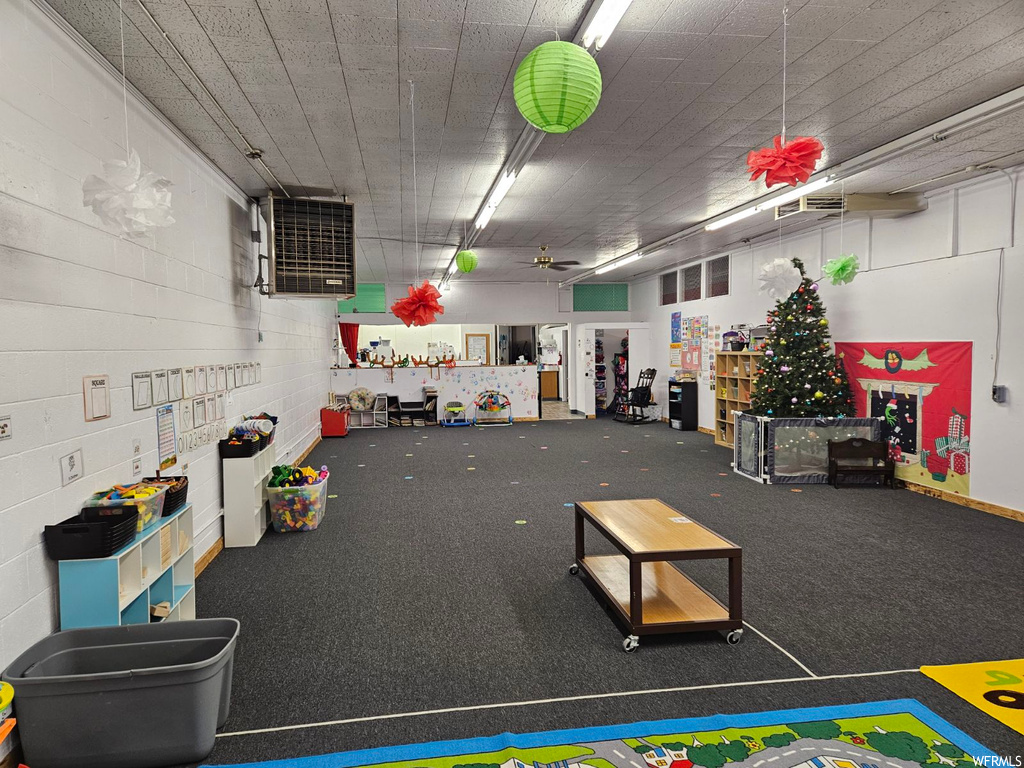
point(843, 269)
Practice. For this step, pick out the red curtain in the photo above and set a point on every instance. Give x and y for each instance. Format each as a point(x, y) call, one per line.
point(350, 340)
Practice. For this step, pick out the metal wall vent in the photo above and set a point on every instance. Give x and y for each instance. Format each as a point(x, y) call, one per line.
point(820, 203)
point(312, 247)
point(857, 205)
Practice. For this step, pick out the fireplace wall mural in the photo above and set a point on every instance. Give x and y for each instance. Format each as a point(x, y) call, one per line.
point(922, 391)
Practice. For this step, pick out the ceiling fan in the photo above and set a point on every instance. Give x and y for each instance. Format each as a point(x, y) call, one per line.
point(547, 262)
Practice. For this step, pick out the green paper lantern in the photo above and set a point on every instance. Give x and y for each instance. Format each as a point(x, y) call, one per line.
point(466, 261)
point(557, 87)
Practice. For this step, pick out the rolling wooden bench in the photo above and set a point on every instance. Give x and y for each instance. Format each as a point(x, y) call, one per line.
point(858, 456)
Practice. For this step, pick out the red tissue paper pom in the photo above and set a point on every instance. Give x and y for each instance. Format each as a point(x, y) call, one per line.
point(787, 164)
point(420, 306)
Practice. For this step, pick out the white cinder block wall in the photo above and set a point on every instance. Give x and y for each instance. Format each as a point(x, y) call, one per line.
point(930, 276)
point(76, 299)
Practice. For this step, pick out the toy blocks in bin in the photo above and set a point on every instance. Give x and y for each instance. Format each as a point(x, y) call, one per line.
point(298, 498)
point(177, 492)
point(147, 498)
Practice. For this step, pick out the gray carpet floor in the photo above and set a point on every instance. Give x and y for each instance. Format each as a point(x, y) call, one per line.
point(419, 591)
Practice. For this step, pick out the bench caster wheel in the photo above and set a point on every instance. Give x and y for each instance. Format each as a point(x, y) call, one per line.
point(631, 643)
point(574, 569)
point(734, 636)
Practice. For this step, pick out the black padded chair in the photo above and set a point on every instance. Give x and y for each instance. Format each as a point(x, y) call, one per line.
point(640, 397)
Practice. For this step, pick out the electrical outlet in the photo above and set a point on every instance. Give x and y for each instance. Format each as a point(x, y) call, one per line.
point(6, 428)
point(999, 393)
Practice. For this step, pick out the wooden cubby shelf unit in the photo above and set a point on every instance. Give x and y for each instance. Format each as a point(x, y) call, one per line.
point(735, 375)
point(158, 566)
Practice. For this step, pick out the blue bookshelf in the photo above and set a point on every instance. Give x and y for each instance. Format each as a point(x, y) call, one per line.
point(158, 566)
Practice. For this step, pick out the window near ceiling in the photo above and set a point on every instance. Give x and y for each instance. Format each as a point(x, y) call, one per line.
point(669, 288)
point(691, 283)
point(718, 277)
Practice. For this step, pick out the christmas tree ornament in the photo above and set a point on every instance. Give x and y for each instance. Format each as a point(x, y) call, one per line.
point(790, 163)
point(810, 307)
point(823, 322)
point(557, 87)
point(814, 286)
point(794, 400)
point(790, 318)
point(782, 342)
point(807, 386)
point(779, 278)
point(784, 368)
point(768, 353)
point(843, 269)
point(819, 394)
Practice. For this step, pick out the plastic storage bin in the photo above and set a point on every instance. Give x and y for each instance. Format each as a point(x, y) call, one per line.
point(151, 508)
point(297, 509)
point(84, 538)
point(177, 492)
point(140, 696)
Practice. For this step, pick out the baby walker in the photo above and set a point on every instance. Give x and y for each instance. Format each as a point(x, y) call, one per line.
point(493, 409)
point(455, 415)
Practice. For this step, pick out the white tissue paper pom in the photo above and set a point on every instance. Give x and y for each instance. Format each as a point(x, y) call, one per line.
point(129, 198)
point(780, 278)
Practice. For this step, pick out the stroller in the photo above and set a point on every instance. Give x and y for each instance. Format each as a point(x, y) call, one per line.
point(631, 409)
point(455, 415)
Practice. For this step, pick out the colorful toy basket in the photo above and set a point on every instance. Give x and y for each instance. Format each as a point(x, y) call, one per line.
point(148, 499)
point(300, 508)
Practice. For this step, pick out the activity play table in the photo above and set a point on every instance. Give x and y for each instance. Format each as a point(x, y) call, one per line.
point(645, 592)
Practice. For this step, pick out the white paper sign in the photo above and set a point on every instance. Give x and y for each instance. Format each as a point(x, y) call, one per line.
point(96, 390)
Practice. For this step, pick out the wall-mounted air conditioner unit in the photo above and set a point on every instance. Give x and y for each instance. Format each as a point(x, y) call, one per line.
point(311, 247)
point(858, 205)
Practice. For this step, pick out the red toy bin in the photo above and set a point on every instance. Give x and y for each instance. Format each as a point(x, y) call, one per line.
point(333, 423)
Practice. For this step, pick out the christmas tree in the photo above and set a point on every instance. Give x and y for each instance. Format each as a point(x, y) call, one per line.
point(799, 376)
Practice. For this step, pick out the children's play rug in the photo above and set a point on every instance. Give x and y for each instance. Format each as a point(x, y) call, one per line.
point(995, 687)
point(885, 734)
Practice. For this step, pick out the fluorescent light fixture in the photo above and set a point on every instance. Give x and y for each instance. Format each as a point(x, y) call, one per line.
point(504, 185)
point(619, 263)
point(451, 268)
point(794, 194)
point(484, 217)
point(739, 216)
point(500, 190)
point(604, 23)
point(797, 193)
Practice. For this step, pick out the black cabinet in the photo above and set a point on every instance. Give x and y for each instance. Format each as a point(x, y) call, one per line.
point(682, 404)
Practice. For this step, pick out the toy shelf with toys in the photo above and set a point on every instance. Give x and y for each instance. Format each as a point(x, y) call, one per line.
point(156, 568)
point(735, 373)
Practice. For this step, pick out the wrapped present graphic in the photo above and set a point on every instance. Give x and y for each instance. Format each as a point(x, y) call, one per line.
point(942, 446)
point(924, 458)
point(938, 466)
point(957, 426)
point(961, 461)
